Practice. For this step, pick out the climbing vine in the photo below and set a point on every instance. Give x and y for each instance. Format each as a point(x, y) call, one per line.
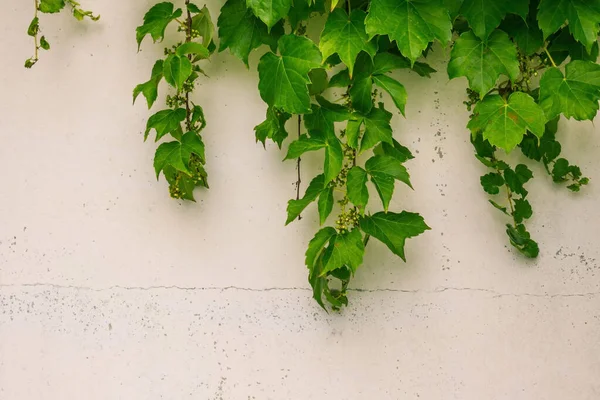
point(51, 7)
point(527, 63)
point(181, 160)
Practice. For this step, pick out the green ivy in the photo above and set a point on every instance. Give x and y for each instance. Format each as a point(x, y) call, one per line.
point(527, 64)
point(51, 7)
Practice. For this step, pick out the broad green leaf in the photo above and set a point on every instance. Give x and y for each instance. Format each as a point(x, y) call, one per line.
point(156, 21)
point(325, 204)
point(394, 88)
point(341, 79)
point(316, 245)
point(504, 123)
point(482, 63)
point(387, 165)
point(393, 229)
point(361, 91)
point(241, 32)
point(273, 127)
point(164, 122)
point(176, 70)
point(575, 94)
point(283, 79)
point(150, 89)
point(301, 11)
point(564, 45)
point(353, 132)
point(413, 24)
point(377, 128)
point(177, 154)
point(384, 184)
point(303, 145)
point(321, 120)
point(51, 6)
point(193, 8)
point(484, 15)
point(334, 158)
point(356, 184)
point(492, 182)
point(387, 62)
point(318, 81)
point(525, 32)
point(314, 189)
point(346, 36)
point(270, 11)
point(344, 250)
point(202, 23)
point(396, 150)
point(453, 7)
point(583, 17)
point(193, 48)
point(34, 27)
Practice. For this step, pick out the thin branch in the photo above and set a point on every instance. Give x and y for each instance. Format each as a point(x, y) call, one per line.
point(299, 180)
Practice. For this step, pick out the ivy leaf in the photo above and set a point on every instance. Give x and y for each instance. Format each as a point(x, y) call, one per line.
point(393, 229)
point(387, 62)
point(325, 204)
point(518, 178)
point(412, 24)
point(396, 150)
point(314, 189)
point(193, 48)
point(334, 158)
point(356, 184)
point(583, 17)
point(388, 165)
point(492, 182)
point(283, 79)
point(504, 123)
point(177, 154)
point(394, 88)
point(344, 249)
point(270, 11)
point(523, 210)
point(202, 23)
point(484, 16)
point(341, 79)
point(323, 117)
point(483, 62)
point(346, 36)
point(316, 245)
point(273, 127)
point(303, 145)
point(521, 240)
point(301, 10)
point(150, 89)
point(575, 94)
point(377, 128)
point(51, 6)
point(156, 21)
point(241, 32)
point(176, 70)
point(164, 122)
point(318, 81)
point(353, 132)
point(384, 170)
point(526, 33)
point(361, 91)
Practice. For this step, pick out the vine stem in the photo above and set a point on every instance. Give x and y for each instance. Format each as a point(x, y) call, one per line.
point(299, 180)
point(35, 37)
point(549, 56)
point(188, 38)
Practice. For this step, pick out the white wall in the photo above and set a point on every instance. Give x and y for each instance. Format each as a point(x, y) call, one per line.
point(109, 289)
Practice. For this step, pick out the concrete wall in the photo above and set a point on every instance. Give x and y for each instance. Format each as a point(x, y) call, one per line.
point(109, 289)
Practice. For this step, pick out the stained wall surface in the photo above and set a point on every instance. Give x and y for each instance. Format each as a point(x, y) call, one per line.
point(109, 289)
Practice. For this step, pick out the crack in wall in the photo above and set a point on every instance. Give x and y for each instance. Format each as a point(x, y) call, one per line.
point(494, 293)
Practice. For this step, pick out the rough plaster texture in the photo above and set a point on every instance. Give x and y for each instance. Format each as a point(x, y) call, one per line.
point(111, 290)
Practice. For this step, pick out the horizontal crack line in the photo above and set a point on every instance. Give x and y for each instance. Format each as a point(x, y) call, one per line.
point(494, 293)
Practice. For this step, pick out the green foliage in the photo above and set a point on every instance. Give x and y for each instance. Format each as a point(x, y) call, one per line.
point(181, 160)
point(51, 7)
point(527, 64)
